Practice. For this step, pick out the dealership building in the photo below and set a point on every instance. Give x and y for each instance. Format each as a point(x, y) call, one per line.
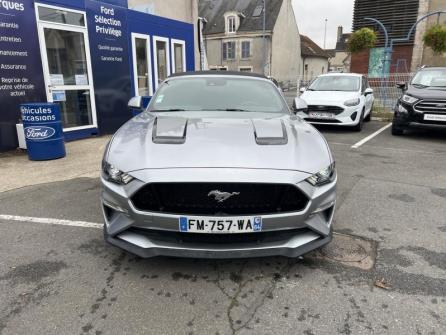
point(90, 57)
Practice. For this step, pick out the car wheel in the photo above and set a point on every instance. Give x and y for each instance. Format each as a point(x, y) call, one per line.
point(369, 116)
point(396, 130)
point(358, 127)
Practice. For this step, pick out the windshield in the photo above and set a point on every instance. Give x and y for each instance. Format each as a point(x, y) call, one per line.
point(336, 83)
point(430, 78)
point(211, 93)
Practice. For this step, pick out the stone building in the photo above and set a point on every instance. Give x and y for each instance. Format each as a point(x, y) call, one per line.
point(235, 40)
point(398, 17)
point(423, 55)
point(340, 58)
point(315, 59)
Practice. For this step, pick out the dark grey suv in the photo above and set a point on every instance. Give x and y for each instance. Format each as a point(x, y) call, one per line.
point(423, 102)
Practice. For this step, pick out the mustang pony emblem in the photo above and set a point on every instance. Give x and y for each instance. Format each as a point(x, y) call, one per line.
point(221, 196)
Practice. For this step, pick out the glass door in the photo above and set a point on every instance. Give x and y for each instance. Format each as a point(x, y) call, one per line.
point(141, 65)
point(67, 67)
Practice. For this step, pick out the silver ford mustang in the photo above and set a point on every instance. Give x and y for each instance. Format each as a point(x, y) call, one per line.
point(217, 166)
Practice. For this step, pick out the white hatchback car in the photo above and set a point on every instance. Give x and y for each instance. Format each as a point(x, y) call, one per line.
point(343, 99)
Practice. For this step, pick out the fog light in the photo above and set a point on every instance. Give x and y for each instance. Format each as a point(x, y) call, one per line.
point(115, 207)
point(401, 109)
point(353, 116)
point(323, 208)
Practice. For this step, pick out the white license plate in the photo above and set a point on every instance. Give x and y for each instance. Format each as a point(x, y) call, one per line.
point(226, 225)
point(316, 115)
point(434, 117)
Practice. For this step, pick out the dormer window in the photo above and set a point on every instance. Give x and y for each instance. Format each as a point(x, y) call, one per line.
point(231, 24)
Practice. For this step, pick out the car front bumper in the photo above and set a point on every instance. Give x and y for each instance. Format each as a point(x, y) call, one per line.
point(349, 117)
point(406, 116)
point(149, 234)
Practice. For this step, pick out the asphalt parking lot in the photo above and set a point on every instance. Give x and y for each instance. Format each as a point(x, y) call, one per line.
point(384, 273)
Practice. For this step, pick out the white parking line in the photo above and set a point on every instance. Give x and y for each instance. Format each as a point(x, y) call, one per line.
point(368, 138)
point(51, 221)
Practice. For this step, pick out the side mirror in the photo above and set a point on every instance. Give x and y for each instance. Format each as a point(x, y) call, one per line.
point(401, 85)
point(302, 89)
point(135, 103)
point(368, 91)
point(300, 105)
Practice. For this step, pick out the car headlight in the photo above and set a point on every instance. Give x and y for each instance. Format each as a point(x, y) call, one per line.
point(409, 99)
point(324, 176)
point(113, 174)
point(352, 102)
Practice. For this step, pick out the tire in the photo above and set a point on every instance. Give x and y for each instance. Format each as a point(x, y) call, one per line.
point(369, 116)
point(358, 127)
point(397, 131)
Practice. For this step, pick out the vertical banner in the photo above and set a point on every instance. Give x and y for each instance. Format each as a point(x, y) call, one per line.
point(107, 30)
point(21, 76)
point(376, 64)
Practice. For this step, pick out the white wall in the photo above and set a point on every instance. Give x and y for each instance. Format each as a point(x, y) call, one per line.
point(286, 60)
point(316, 67)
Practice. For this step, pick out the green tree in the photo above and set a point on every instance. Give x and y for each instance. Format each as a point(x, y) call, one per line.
point(435, 38)
point(362, 39)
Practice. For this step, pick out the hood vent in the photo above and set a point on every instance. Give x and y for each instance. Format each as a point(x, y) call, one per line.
point(270, 132)
point(169, 130)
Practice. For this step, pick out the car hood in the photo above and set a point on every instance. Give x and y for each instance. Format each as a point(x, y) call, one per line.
point(427, 93)
point(322, 97)
point(218, 140)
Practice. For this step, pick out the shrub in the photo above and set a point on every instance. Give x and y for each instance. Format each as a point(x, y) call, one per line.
point(362, 39)
point(435, 38)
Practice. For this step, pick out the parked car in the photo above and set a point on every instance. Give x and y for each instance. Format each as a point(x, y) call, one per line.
point(342, 99)
point(423, 101)
point(217, 166)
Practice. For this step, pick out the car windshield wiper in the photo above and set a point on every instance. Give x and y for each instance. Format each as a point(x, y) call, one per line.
point(227, 110)
point(169, 110)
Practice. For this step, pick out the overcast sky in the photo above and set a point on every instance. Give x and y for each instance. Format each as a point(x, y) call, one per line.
point(311, 15)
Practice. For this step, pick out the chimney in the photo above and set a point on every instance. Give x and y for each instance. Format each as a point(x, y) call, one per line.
point(340, 29)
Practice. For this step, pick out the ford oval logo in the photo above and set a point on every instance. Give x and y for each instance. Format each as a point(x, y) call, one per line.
point(39, 132)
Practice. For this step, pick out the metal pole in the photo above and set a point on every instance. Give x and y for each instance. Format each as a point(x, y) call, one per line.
point(264, 37)
point(325, 33)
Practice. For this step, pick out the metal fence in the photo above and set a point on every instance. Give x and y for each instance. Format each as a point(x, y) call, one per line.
point(386, 92)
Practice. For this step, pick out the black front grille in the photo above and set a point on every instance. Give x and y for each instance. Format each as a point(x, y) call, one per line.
point(325, 109)
point(431, 106)
point(195, 198)
point(255, 238)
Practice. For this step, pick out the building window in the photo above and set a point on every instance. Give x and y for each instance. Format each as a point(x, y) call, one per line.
point(228, 50)
point(141, 63)
point(245, 69)
point(161, 59)
point(218, 68)
point(178, 48)
point(246, 49)
point(231, 24)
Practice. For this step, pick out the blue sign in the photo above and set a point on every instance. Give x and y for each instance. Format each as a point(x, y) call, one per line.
point(43, 131)
point(21, 75)
point(107, 29)
point(110, 24)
